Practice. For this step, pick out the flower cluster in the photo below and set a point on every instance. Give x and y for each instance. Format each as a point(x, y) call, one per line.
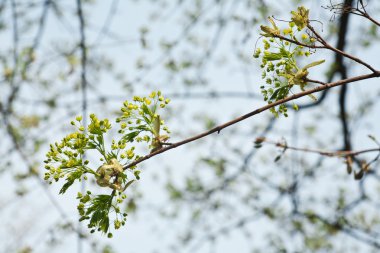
point(281, 50)
point(139, 122)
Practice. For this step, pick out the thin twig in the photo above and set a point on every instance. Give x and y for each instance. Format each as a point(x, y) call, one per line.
point(339, 153)
point(297, 42)
point(359, 11)
point(328, 46)
point(325, 45)
point(314, 81)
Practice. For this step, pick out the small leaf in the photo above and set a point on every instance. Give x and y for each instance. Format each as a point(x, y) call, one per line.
point(271, 56)
point(131, 136)
point(143, 128)
point(128, 184)
point(70, 180)
point(313, 64)
point(146, 110)
point(156, 126)
point(83, 218)
point(91, 145)
point(312, 97)
point(137, 174)
point(275, 93)
point(270, 32)
point(111, 155)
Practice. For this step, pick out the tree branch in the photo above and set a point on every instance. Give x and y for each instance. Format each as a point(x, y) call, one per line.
point(336, 50)
point(257, 111)
point(340, 153)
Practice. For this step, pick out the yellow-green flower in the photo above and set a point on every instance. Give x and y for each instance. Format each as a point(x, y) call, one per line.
point(270, 32)
point(153, 94)
point(147, 101)
point(270, 56)
point(300, 17)
point(287, 31)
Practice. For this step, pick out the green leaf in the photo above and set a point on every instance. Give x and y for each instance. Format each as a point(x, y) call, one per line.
point(129, 184)
point(104, 224)
point(111, 155)
point(146, 119)
point(146, 110)
point(277, 158)
point(280, 93)
point(91, 145)
point(142, 128)
point(274, 95)
point(70, 180)
point(137, 174)
point(270, 32)
point(131, 136)
point(313, 64)
point(156, 126)
point(271, 56)
point(312, 97)
point(285, 53)
point(96, 217)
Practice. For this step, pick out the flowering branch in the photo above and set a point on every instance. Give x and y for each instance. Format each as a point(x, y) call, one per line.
point(217, 129)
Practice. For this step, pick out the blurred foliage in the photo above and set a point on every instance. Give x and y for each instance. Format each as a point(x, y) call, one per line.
point(222, 187)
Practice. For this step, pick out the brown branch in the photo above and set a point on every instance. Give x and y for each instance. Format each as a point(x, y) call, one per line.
point(315, 81)
point(257, 111)
point(363, 13)
point(339, 153)
point(343, 8)
point(297, 42)
point(328, 46)
point(371, 19)
point(325, 46)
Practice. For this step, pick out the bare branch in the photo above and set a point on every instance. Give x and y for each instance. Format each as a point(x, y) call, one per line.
point(336, 50)
point(339, 153)
point(342, 8)
point(325, 45)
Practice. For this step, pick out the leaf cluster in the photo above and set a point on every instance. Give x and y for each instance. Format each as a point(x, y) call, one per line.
point(142, 122)
point(97, 208)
